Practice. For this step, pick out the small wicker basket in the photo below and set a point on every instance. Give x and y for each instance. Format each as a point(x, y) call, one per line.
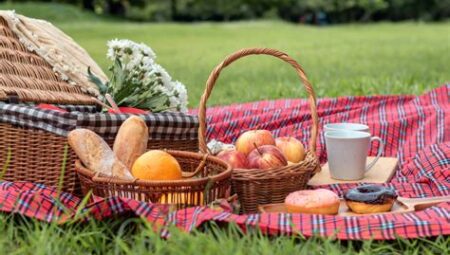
point(255, 186)
point(214, 182)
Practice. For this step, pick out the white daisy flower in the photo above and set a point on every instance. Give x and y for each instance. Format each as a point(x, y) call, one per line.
point(138, 78)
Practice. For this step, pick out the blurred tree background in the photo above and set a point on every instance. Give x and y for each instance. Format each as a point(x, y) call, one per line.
point(304, 11)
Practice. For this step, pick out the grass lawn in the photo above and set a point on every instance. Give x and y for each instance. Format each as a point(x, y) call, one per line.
point(340, 60)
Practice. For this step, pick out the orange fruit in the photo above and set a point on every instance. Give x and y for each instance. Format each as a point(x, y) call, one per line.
point(156, 165)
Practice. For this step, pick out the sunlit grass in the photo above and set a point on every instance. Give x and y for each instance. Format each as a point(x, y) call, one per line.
point(339, 60)
point(367, 59)
point(383, 58)
point(135, 236)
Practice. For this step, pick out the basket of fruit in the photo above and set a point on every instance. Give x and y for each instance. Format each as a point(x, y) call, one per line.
point(265, 170)
point(178, 178)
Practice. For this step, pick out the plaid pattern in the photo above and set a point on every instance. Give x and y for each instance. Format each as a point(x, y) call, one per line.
point(164, 126)
point(414, 128)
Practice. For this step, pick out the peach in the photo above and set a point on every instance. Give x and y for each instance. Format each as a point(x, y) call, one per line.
point(253, 138)
point(291, 148)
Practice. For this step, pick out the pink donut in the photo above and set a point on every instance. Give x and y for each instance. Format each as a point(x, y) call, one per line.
point(319, 201)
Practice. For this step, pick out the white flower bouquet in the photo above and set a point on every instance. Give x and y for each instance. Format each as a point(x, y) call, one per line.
point(138, 81)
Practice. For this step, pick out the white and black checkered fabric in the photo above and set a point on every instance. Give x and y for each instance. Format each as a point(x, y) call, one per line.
point(162, 126)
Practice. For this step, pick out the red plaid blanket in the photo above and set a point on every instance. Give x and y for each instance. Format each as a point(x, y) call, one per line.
point(415, 129)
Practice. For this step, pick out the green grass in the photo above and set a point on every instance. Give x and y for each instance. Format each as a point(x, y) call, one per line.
point(340, 60)
point(135, 236)
point(386, 58)
point(51, 12)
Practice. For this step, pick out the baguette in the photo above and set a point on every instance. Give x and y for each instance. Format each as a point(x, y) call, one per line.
point(131, 140)
point(96, 154)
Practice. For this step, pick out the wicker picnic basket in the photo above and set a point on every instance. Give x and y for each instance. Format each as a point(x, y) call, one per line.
point(256, 186)
point(209, 180)
point(33, 141)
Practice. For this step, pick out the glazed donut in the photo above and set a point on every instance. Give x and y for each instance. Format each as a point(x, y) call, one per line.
point(370, 199)
point(319, 201)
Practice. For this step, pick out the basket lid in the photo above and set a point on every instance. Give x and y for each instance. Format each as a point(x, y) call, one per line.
point(25, 76)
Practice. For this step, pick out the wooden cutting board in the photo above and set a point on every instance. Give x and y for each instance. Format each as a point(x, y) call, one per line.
point(401, 205)
point(381, 172)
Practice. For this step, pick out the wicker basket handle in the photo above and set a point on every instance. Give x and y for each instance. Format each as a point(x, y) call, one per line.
point(256, 51)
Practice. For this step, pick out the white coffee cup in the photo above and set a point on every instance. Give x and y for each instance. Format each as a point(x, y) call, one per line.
point(347, 153)
point(346, 126)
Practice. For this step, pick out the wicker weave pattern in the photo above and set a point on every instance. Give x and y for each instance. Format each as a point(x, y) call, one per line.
point(256, 186)
point(27, 76)
point(212, 183)
point(37, 156)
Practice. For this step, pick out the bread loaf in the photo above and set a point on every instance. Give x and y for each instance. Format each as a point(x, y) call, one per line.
point(96, 154)
point(131, 140)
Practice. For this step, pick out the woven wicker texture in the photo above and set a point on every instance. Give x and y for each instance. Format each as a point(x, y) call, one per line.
point(27, 77)
point(255, 186)
point(211, 183)
point(36, 156)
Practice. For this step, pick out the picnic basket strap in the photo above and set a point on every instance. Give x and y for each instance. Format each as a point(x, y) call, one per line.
point(256, 51)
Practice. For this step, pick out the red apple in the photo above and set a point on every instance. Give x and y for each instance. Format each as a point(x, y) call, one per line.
point(292, 148)
point(235, 158)
point(266, 157)
point(249, 139)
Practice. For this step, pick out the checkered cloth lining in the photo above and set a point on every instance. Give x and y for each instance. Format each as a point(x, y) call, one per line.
point(164, 126)
point(416, 129)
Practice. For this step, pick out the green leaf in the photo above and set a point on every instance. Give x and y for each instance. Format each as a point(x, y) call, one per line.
point(94, 79)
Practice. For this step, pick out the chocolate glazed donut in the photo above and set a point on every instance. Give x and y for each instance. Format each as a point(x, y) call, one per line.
point(370, 199)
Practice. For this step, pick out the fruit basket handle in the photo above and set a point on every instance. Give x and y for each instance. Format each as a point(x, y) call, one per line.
point(214, 75)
